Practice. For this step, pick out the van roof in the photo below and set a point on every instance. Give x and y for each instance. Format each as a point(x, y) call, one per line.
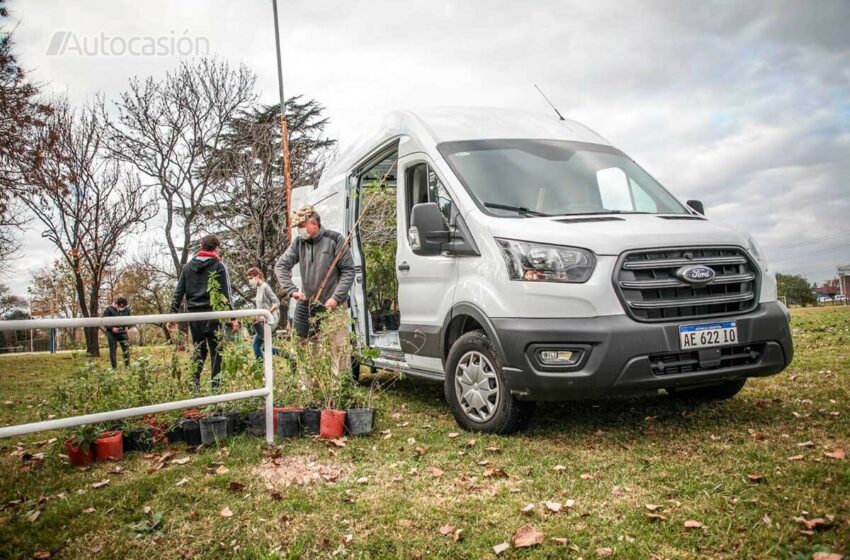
point(465, 123)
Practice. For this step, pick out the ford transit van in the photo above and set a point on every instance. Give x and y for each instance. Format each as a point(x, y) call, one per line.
point(524, 258)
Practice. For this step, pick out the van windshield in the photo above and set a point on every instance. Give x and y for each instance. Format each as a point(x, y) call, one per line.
point(555, 178)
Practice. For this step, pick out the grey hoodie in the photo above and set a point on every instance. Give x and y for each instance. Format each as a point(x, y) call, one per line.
point(315, 256)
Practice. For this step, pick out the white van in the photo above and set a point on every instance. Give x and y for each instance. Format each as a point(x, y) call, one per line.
point(535, 262)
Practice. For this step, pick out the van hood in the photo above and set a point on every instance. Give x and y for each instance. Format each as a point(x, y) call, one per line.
point(612, 234)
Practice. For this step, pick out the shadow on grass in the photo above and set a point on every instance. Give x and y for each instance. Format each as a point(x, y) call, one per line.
point(626, 414)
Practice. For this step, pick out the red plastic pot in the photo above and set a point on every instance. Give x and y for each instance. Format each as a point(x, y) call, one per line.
point(79, 457)
point(110, 446)
point(332, 423)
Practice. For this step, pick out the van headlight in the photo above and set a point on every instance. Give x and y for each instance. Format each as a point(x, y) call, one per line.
point(547, 263)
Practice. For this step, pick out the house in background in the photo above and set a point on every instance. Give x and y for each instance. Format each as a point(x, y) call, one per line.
point(844, 280)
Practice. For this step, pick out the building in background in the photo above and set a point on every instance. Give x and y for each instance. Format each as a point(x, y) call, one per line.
point(844, 280)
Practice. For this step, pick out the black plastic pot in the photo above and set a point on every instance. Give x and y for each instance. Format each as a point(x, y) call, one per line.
point(139, 439)
point(289, 423)
point(192, 432)
point(310, 421)
point(255, 424)
point(359, 421)
point(213, 429)
point(175, 434)
point(235, 423)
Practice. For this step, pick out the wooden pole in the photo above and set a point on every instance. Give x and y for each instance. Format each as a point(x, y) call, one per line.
point(284, 130)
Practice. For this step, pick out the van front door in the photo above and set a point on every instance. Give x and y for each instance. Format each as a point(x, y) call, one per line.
point(425, 283)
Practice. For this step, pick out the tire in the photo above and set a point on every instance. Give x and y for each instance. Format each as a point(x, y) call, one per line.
point(496, 413)
point(721, 391)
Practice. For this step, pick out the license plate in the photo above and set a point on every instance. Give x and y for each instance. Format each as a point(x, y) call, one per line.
point(707, 335)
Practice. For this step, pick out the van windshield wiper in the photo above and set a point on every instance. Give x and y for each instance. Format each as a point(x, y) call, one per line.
point(603, 212)
point(517, 209)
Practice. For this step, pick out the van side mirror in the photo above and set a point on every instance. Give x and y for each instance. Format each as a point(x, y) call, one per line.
point(428, 232)
point(697, 205)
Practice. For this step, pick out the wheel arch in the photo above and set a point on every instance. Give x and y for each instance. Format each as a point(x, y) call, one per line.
point(465, 317)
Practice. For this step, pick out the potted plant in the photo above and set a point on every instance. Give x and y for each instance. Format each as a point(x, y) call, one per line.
point(213, 429)
point(137, 435)
point(109, 446)
point(360, 417)
point(80, 446)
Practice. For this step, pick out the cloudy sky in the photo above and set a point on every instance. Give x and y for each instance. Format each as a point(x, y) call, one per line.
point(745, 105)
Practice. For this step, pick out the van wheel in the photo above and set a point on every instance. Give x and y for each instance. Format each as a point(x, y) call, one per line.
point(721, 391)
point(477, 390)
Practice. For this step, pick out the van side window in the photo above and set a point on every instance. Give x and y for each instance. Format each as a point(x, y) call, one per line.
point(423, 185)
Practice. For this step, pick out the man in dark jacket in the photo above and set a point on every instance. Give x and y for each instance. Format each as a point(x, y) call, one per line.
point(118, 335)
point(314, 250)
point(325, 279)
point(193, 286)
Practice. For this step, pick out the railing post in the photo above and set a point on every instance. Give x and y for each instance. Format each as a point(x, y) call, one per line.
point(269, 380)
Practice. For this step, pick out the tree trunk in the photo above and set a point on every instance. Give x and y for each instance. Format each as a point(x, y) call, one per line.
point(92, 342)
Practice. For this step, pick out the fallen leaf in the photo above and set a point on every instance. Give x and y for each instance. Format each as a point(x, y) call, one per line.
point(100, 484)
point(586, 476)
point(33, 516)
point(501, 547)
point(234, 486)
point(276, 496)
point(420, 450)
point(655, 517)
point(652, 507)
point(827, 556)
point(569, 503)
point(89, 510)
point(528, 509)
point(796, 458)
point(338, 442)
point(527, 536)
point(226, 512)
point(494, 449)
point(560, 540)
point(602, 552)
point(456, 535)
point(453, 434)
point(181, 460)
point(759, 435)
point(559, 468)
point(221, 469)
point(363, 480)
point(41, 555)
point(182, 481)
point(493, 472)
point(554, 507)
point(806, 444)
point(97, 548)
point(691, 524)
point(436, 473)
point(837, 454)
point(470, 443)
point(347, 539)
point(446, 530)
point(755, 478)
point(813, 524)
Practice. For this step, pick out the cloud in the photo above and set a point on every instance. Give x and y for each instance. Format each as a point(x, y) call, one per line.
point(743, 105)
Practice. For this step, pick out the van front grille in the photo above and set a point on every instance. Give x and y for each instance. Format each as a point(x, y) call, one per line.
point(651, 290)
point(688, 362)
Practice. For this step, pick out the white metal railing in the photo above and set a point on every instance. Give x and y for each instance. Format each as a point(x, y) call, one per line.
point(60, 423)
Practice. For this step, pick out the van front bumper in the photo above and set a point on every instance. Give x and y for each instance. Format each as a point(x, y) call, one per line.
point(623, 357)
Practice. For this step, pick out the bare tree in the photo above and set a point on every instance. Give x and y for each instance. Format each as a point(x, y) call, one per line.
point(87, 203)
point(20, 111)
point(248, 206)
point(168, 130)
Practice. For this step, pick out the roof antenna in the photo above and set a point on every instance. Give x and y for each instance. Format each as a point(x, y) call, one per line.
point(560, 116)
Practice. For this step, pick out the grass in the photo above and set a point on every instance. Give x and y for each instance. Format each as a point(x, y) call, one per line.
point(691, 459)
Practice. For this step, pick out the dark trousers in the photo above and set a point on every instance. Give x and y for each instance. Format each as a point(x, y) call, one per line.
point(205, 338)
point(114, 339)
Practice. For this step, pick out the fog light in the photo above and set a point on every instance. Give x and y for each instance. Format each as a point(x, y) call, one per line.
point(558, 357)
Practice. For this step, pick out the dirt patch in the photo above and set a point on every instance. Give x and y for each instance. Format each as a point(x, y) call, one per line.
point(300, 471)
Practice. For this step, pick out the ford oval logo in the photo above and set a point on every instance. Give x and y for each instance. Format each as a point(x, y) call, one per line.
point(697, 274)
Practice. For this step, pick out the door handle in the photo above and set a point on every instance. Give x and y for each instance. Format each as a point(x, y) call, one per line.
point(404, 267)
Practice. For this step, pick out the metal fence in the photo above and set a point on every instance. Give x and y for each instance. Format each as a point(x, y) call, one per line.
point(110, 416)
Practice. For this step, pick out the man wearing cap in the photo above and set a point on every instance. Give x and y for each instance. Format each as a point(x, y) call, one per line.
point(315, 250)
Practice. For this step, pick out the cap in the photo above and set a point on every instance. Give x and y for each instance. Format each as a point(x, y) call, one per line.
point(303, 214)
